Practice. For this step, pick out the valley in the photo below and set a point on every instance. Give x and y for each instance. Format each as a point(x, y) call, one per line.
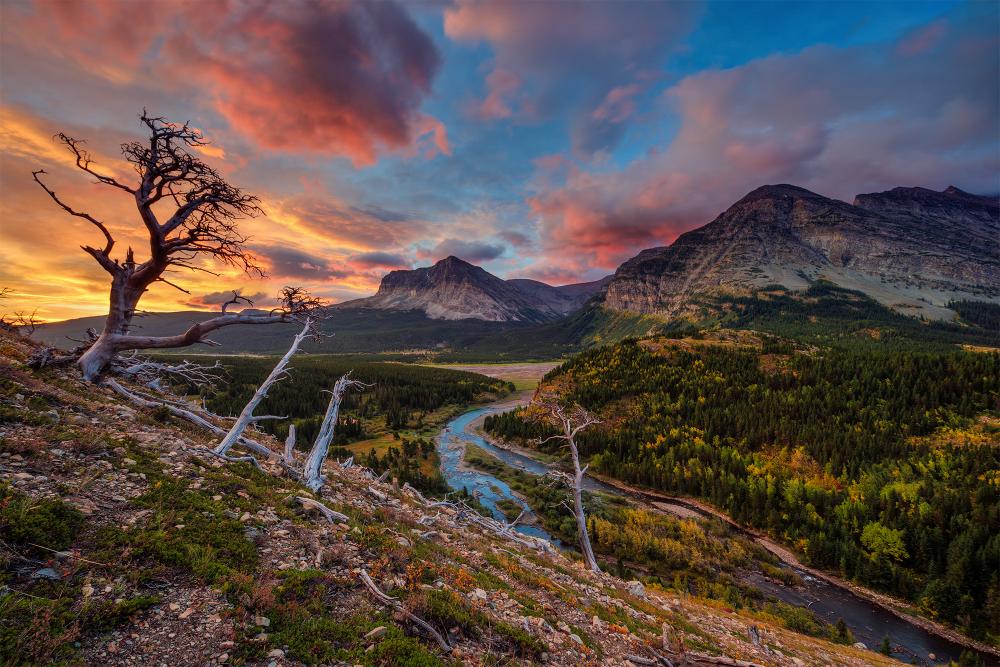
point(496, 473)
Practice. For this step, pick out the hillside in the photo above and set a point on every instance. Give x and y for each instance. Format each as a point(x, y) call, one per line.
point(124, 539)
point(877, 465)
point(910, 249)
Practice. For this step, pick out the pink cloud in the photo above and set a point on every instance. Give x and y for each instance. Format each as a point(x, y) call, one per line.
point(326, 77)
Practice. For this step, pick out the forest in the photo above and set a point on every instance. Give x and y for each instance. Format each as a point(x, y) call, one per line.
point(881, 465)
point(402, 405)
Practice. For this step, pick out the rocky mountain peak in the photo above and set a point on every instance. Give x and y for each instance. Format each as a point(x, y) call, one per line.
point(912, 249)
point(453, 289)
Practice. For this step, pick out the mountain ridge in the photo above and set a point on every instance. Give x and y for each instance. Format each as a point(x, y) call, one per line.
point(911, 249)
point(453, 289)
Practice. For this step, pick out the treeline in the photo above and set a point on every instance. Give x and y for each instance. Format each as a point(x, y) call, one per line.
point(404, 466)
point(826, 314)
point(979, 313)
point(873, 463)
point(400, 396)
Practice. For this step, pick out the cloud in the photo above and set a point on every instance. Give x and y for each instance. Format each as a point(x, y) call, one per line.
point(335, 78)
point(470, 251)
point(218, 298)
point(287, 262)
point(378, 259)
point(838, 121)
point(554, 56)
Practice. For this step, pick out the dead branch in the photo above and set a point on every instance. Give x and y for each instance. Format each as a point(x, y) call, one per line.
point(328, 514)
point(398, 607)
point(278, 373)
point(288, 457)
point(184, 413)
point(313, 469)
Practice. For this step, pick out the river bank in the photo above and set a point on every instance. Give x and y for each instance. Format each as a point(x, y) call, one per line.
point(825, 594)
point(888, 603)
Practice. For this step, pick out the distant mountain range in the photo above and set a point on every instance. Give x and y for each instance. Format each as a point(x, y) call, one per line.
point(453, 289)
point(780, 253)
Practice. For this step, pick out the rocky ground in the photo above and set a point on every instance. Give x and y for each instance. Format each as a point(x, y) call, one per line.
point(124, 541)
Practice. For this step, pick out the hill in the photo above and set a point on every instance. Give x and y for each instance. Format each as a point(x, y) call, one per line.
point(126, 541)
point(837, 453)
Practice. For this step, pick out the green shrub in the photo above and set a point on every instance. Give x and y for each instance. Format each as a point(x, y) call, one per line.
point(47, 523)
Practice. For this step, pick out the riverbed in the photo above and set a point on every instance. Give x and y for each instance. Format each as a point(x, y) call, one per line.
point(868, 621)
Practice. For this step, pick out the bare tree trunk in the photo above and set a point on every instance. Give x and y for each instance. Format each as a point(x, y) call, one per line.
point(124, 299)
point(290, 445)
point(277, 374)
point(581, 519)
point(582, 419)
point(313, 470)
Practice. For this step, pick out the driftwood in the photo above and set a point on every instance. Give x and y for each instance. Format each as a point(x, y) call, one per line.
point(398, 607)
point(689, 660)
point(466, 515)
point(329, 514)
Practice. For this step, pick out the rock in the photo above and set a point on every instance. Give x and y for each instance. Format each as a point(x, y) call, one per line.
point(222, 659)
point(860, 645)
point(375, 633)
point(480, 594)
point(46, 573)
point(262, 621)
point(276, 653)
point(575, 637)
point(187, 612)
point(636, 588)
point(798, 662)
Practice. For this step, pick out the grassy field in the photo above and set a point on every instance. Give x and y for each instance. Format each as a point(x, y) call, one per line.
point(524, 375)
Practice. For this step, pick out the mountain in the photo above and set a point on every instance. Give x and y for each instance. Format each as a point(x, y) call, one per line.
point(454, 289)
point(911, 249)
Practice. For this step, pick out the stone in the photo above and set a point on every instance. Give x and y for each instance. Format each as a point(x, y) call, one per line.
point(46, 573)
point(262, 621)
point(276, 653)
point(375, 633)
point(636, 588)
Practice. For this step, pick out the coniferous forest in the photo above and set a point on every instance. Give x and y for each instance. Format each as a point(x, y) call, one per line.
point(884, 466)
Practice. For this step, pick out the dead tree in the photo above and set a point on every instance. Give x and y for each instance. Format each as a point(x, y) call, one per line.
point(313, 470)
point(247, 417)
point(572, 422)
point(189, 213)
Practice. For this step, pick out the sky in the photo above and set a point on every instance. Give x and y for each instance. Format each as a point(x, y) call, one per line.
point(550, 140)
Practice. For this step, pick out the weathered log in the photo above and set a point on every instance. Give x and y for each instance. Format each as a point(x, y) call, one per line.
point(328, 514)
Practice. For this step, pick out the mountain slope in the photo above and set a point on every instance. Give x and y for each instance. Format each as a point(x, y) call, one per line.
point(910, 249)
point(453, 289)
point(126, 542)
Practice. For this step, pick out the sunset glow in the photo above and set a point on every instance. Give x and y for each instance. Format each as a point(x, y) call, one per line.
point(538, 140)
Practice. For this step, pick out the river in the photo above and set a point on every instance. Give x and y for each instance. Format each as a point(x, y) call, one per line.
point(868, 621)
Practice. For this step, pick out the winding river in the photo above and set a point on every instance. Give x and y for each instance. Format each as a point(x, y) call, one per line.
point(868, 621)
